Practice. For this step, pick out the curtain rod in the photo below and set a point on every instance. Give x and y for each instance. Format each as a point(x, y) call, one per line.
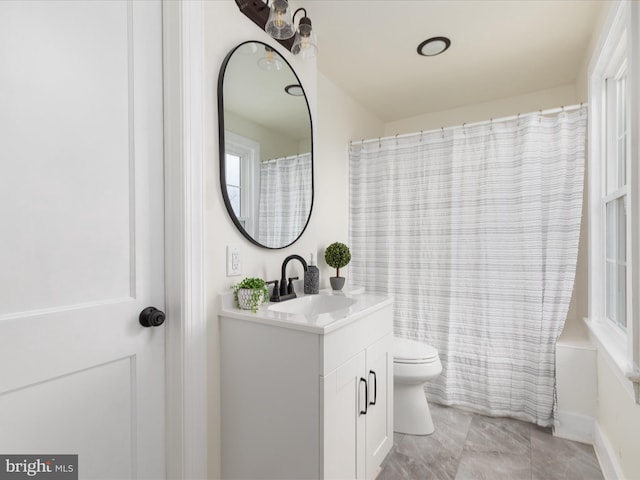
point(290, 157)
point(475, 124)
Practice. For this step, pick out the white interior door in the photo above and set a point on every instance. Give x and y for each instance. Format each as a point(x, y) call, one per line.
point(81, 234)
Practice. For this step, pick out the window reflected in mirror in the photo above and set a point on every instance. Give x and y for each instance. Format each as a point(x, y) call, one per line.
point(233, 182)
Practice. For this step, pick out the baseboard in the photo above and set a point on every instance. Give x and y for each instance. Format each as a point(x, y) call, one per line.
point(574, 426)
point(607, 457)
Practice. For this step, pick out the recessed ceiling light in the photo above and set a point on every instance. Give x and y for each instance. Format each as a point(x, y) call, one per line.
point(434, 46)
point(295, 90)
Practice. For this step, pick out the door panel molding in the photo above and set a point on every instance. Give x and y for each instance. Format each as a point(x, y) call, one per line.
point(67, 145)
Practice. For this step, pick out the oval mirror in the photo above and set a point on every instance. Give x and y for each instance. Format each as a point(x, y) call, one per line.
point(266, 146)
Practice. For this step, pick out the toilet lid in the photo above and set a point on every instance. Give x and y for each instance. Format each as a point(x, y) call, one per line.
point(410, 351)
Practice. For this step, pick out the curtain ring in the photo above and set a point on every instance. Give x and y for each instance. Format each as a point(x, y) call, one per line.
point(540, 117)
point(518, 119)
point(421, 134)
point(491, 124)
point(379, 142)
point(397, 139)
point(463, 130)
point(362, 143)
point(442, 131)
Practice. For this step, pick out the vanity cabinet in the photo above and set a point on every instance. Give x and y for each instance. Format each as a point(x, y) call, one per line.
point(358, 413)
point(299, 402)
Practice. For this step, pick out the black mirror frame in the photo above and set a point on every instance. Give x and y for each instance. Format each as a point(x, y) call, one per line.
point(221, 140)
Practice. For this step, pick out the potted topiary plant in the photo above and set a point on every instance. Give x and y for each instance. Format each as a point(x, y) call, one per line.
point(250, 293)
point(337, 255)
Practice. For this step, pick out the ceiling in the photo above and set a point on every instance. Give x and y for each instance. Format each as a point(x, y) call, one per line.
point(499, 49)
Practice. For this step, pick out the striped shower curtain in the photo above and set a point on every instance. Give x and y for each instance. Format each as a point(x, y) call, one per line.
point(284, 200)
point(474, 230)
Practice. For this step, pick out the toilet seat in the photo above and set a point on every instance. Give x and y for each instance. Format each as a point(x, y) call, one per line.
point(412, 352)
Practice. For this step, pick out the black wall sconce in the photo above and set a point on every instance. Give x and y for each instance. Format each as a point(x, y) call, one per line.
point(277, 21)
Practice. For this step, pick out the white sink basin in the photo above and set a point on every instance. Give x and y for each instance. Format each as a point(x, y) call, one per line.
point(313, 305)
point(322, 313)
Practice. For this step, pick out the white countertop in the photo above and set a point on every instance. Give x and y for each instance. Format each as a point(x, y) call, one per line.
point(365, 304)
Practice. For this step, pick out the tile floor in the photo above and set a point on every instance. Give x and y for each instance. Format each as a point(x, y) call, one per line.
point(469, 446)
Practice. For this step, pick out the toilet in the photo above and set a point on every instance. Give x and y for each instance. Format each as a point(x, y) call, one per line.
point(414, 364)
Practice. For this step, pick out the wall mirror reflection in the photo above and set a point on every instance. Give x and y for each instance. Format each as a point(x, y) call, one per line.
point(266, 146)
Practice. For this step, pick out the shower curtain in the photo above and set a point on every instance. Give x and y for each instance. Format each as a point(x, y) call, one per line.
point(474, 231)
point(284, 200)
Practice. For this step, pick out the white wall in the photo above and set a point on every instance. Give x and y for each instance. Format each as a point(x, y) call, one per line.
point(336, 120)
point(530, 102)
point(341, 119)
point(272, 144)
point(618, 421)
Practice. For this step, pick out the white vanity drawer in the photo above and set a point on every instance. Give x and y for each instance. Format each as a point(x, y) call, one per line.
point(340, 345)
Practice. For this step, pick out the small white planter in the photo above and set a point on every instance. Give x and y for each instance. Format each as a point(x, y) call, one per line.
point(244, 299)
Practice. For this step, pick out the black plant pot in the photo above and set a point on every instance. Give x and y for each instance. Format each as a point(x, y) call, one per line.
point(337, 282)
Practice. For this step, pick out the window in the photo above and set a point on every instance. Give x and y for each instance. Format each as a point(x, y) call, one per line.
point(614, 193)
point(234, 171)
point(241, 156)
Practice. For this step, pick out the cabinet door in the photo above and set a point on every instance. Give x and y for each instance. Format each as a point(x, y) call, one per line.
point(379, 424)
point(344, 393)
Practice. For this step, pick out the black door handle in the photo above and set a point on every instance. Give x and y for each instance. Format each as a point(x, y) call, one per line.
point(151, 317)
point(366, 396)
point(375, 387)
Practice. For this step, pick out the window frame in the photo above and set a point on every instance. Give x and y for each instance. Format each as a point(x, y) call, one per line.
point(618, 44)
point(249, 152)
point(613, 189)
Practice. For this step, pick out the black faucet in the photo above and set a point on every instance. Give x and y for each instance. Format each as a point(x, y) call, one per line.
point(286, 291)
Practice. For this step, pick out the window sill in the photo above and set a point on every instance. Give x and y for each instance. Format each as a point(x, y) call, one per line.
point(613, 344)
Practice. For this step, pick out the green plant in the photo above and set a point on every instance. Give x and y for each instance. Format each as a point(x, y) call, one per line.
point(337, 255)
point(259, 292)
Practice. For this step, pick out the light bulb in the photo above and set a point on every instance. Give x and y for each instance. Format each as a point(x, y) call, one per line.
point(269, 62)
point(279, 25)
point(305, 43)
point(279, 21)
